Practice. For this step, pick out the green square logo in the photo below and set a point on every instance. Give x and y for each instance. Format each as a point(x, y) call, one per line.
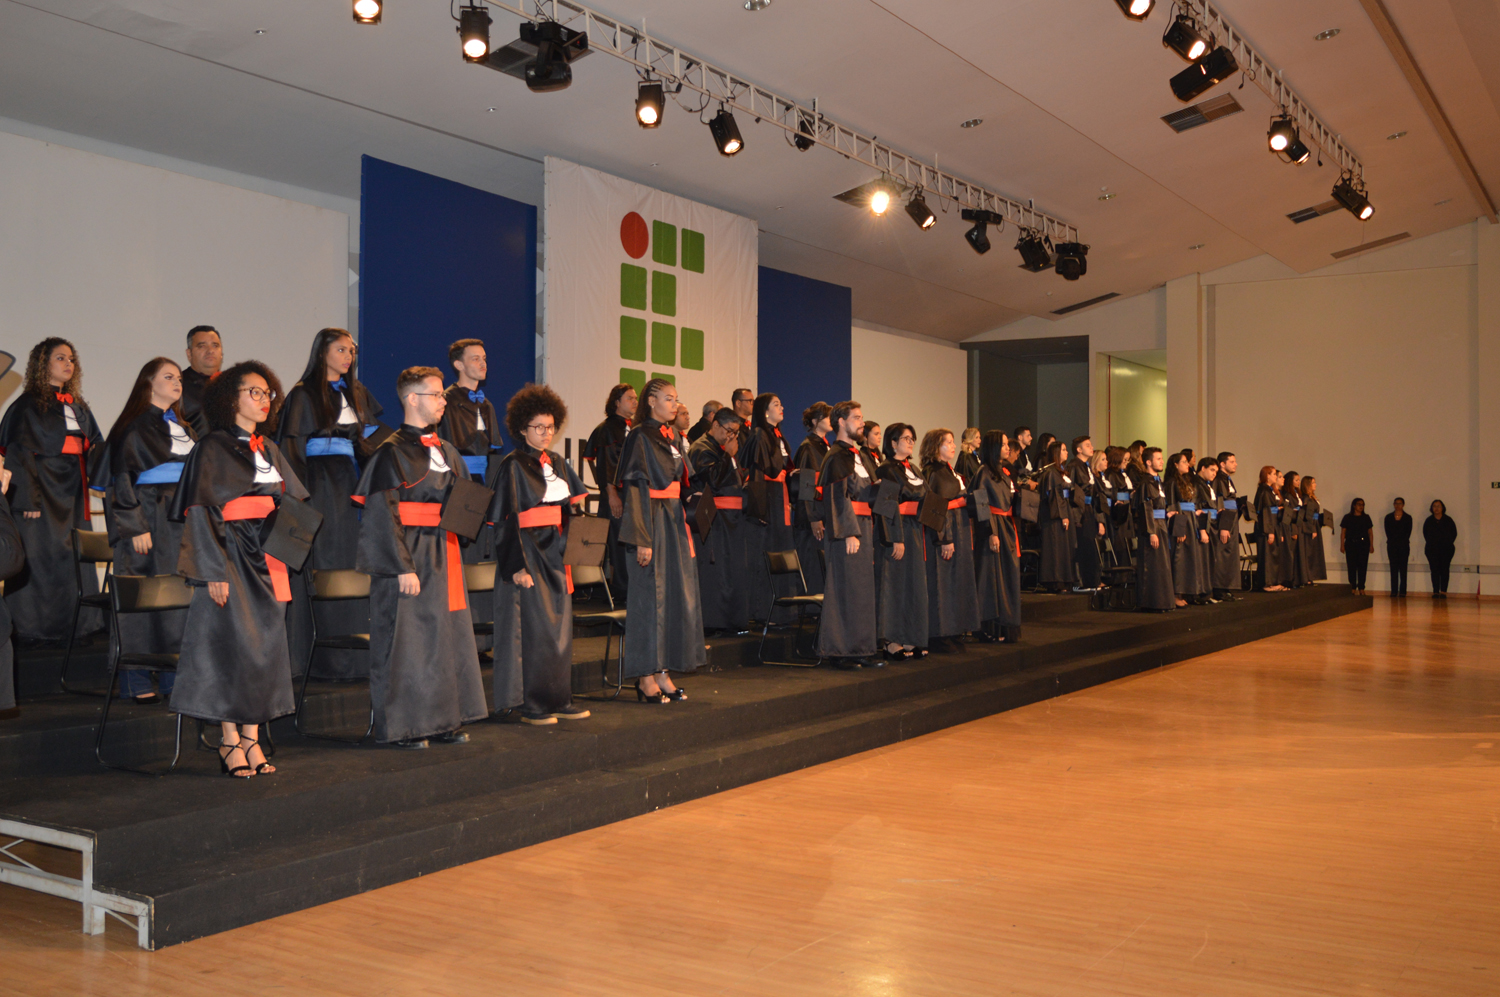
point(664, 243)
point(633, 287)
point(692, 348)
point(669, 378)
point(663, 344)
point(632, 338)
point(663, 293)
point(633, 377)
point(692, 250)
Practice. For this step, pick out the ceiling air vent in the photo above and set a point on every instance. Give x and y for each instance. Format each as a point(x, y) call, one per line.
point(1201, 114)
point(1371, 245)
point(1316, 211)
point(1085, 304)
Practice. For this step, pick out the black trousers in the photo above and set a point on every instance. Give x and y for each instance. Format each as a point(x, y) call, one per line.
point(1398, 556)
point(1358, 558)
point(1440, 573)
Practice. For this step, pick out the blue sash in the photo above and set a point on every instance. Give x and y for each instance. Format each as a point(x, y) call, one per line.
point(1122, 496)
point(478, 466)
point(1186, 506)
point(1088, 500)
point(1275, 510)
point(1231, 504)
point(162, 474)
point(1158, 514)
point(370, 430)
point(1067, 492)
point(330, 446)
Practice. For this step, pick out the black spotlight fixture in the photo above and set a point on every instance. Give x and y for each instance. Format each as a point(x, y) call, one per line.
point(725, 132)
point(474, 32)
point(805, 134)
point(1351, 193)
point(1072, 260)
point(368, 11)
point(1281, 133)
point(1296, 153)
point(1183, 37)
point(920, 212)
point(1214, 68)
point(1136, 10)
point(649, 101)
point(977, 237)
point(555, 48)
point(1035, 250)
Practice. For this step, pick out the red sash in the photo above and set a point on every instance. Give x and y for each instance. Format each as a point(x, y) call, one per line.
point(728, 502)
point(1013, 531)
point(909, 508)
point(786, 496)
point(861, 508)
point(259, 507)
point(674, 491)
point(431, 514)
point(80, 446)
point(958, 503)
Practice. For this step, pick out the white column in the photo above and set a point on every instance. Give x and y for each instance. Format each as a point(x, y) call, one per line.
point(1186, 364)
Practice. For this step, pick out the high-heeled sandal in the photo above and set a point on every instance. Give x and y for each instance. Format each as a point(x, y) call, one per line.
point(677, 694)
point(264, 768)
point(224, 768)
point(641, 697)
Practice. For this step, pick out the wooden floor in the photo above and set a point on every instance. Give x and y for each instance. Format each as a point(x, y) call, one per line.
point(1315, 813)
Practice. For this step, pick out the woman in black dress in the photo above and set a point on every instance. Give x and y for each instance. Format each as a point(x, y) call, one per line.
point(1267, 532)
point(901, 566)
point(1293, 551)
point(768, 511)
point(1058, 528)
point(870, 442)
point(1441, 537)
point(997, 545)
point(953, 604)
point(235, 669)
point(1188, 538)
point(1119, 489)
point(147, 447)
point(1398, 545)
point(51, 445)
point(322, 430)
point(1312, 531)
point(807, 529)
point(1357, 543)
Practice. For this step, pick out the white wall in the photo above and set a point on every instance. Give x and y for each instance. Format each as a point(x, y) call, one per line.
point(123, 258)
point(905, 377)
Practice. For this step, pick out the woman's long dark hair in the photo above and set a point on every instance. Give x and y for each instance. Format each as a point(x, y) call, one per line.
point(932, 445)
point(992, 451)
point(222, 396)
point(1183, 480)
point(1289, 485)
point(140, 399)
point(315, 379)
point(758, 412)
point(894, 432)
point(38, 386)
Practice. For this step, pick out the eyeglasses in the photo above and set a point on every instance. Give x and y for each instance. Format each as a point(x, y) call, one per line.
point(260, 394)
point(541, 429)
point(426, 394)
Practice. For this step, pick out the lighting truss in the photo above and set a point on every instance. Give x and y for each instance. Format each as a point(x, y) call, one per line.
point(719, 86)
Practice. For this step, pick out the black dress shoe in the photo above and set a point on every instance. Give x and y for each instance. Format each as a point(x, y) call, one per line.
point(411, 744)
point(452, 737)
point(847, 664)
point(871, 662)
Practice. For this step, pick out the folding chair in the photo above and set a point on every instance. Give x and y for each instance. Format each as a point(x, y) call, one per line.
point(480, 577)
point(89, 548)
point(785, 562)
point(1119, 577)
point(140, 594)
point(588, 546)
point(340, 585)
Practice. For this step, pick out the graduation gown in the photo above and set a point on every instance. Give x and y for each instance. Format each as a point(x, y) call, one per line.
point(533, 626)
point(602, 453)
point(472, 426)
point(664, 630)
point(1312, 519)
point(191, 403)
point(952, 601)
point(1086, 518)
point(768, 518)
point(1121, 517)
point(1188, 576)
point(723, 561)
point(1293, 557)
point(1268, 524)
point(12, 560)
point(1153, 565)
point(330, 479)
point(1208, 516)
point(997, 574)
point(1233, 507)
point(849, 482)
point(157, 448)
point(51, 482)
point(810, 455)
point(1058, 541)
point(424, 665)
point(234, 665)
point(902, 603)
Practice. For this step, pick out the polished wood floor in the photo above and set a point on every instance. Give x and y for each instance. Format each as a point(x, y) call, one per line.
point(1315, 813)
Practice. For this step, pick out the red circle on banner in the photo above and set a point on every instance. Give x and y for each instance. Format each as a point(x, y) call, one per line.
point(633, 235)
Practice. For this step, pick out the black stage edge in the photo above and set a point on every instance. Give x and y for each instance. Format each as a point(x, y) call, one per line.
point(212, 853)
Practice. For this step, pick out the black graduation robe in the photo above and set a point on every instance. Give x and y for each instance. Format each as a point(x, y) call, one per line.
point(849, 481)
point(1235, 507)
point(810, 455)
point(1121, 519)
point(330, 480)
point(967, 465)
point(1293, 557)
point(533, 626)
point(602, 453)
point(234, 665)
point(473, 427)
point(1058, 541)
point(768, 516)
point(997, 574)
point(12, 560)
point(51, 482)
point(952, 601)
point(1312, 522)
point(903, 604)
point(191, 403)
point(131, 509)
point(664, 630)
point(1086, 517)
point(695, 433)
point(1188, 566)
point(1153, 565)
point(424, 665)
point(1208, 517)
point(1267, 526)
point(723, 558)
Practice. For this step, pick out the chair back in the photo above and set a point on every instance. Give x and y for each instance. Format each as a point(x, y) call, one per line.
point(90, 547)
point(786, 562)
point(339, 584)
point(480, 577)
point(587, 574)
point(588, 542)
point(150, 593)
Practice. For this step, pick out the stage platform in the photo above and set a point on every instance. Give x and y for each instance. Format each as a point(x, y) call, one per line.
point(197, 853)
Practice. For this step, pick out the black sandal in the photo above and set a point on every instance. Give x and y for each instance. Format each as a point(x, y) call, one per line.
point(224, 768)
point(641, 697)
point(264, 768)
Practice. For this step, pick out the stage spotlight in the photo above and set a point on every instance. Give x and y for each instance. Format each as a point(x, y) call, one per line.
point(726, 133)
point(368, 11)
point(920, 212)
point(1296, 153)
point(474, 32)
point(977, 237)
point(1136, 10)
point(649, 101)
point(805, 135)
point(1214, 68)
point(556, 46)
point(1281, 134)
point(1035, 250)
point(1072, 260)
point(1351, 193)
point(1183, 37)
point(880, 200)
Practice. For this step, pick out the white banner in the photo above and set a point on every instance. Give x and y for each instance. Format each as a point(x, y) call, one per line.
point(642, 284)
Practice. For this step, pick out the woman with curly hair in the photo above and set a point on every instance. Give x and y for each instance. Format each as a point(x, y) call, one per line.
point(50, 442)
point(234, 668)
point(807, 528)
point(536, 492)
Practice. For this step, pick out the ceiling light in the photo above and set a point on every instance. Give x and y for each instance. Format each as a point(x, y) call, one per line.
point(1035, 250)
point(1197, 245)
point(1109, 196)
point(1214, 68)
point(556, 48)
point(1350, 192)
point(474, 32)
point(1281, 133)
point(1072, 260)
point(649, 101)
point(805, 134)
point(1297, 153)
point(1323, 36)
point(1395, 135)
point(367, 11)
point(1136, 10)
point(920, 212)
point(757, 4)
point(977, 238)
point(971, 123)
point(1183, 37)
point(725, 132)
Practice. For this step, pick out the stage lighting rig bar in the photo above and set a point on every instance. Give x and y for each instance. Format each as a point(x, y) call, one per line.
point(1313, 130)
point(718, 86)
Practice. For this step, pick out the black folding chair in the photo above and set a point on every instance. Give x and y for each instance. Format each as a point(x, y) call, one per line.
point(140, 594)
point(339, 585)
point(588, 546)
point(480, 578)
point(785, 562)
point(89, 549)
point(1118, 576)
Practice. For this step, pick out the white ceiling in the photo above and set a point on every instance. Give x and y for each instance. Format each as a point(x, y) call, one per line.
point(1071, 94)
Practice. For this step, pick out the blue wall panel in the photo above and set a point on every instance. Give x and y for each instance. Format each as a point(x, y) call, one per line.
point(804, 351)
point(440, 261)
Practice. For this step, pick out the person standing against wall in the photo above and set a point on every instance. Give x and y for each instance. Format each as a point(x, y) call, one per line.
point(1357, 543)
point(205, 354)
point(1441, 536)
point(1398, 545)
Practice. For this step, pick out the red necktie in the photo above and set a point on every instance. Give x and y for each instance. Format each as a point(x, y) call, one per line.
point(65, 397)
point(543, 459)
point(257, 443)
point(431, 440)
